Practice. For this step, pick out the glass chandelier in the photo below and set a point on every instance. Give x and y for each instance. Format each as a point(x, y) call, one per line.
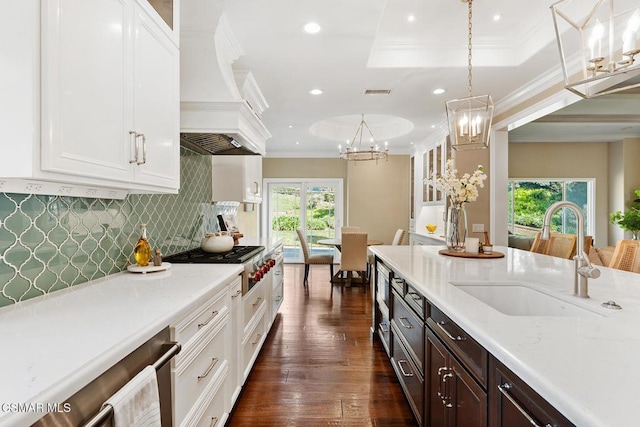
point(470, 118)
point(598, 45)
point(354, 151)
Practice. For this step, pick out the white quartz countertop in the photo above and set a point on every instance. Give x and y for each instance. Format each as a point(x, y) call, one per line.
point(54, 345)
point(268, 243)
point(586, 367)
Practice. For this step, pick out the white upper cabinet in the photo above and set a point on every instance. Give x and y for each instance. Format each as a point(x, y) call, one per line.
point(97, 84)
point(237, 178)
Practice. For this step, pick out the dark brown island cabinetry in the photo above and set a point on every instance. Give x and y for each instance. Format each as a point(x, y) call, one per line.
point(449, 379)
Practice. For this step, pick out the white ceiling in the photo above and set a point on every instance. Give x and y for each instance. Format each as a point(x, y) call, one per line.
point(370, 44)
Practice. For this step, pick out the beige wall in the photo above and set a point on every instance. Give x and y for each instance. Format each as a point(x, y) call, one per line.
point(477, 212)
point(567, 160)
point(624, 180)
point(376, 197)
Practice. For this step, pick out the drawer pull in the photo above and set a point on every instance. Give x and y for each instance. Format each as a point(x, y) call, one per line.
point(404, 374)
point(214, 361)
point(407, 325)
point(446, 400)
point(415, 296)
point(214, 313)
point(214, 421)
point(504, 389)
point(238, 292)
point(257, 301)
point(382, 328)
point(257, 339)
point(451, 337)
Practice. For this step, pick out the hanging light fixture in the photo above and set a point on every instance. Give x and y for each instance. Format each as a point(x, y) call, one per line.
point(598, 45)
point(470, 118)
point(354, 151)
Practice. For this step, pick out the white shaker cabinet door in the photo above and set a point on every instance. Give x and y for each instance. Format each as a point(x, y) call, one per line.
point(156, 103)
point(86, 88)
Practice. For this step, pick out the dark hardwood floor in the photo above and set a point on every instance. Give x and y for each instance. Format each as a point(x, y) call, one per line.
point(318, 366)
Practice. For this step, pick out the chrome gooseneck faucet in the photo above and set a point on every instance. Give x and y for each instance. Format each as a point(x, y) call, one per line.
point(583, 269)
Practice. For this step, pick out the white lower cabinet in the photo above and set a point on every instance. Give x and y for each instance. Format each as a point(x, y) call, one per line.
point(201, 369)
point(221, 339)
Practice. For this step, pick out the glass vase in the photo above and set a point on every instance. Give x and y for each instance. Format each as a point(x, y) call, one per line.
point(456, 231)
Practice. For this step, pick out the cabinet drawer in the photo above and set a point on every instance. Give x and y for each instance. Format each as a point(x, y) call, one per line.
point(515, 403)
point(415, 301)
point(410, 379)
point(252, 344)
point(209, 409)
point(252, 302)
point(203, 316)
point(384, 331)
point(198, 365)
point(407, 324)
point(472, 355)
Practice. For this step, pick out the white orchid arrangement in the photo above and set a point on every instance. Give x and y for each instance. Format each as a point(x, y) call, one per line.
point(460, 189)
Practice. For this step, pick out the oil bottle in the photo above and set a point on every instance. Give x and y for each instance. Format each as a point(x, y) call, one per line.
point(142, 250)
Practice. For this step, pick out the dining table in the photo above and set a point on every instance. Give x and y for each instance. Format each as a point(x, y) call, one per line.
point(337, 242)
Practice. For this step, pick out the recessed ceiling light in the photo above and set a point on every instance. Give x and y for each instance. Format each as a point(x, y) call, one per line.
point(438, 91)
point(290, 126)
point(411, 18)
point(433, 126)
point(312, 28)
point(315, 91)
point(497, 17)
point(297, 143)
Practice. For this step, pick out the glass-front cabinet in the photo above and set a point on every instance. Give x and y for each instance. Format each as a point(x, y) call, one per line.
point(433, 163)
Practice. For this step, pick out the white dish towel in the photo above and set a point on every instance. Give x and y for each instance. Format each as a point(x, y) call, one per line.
point(137, 404)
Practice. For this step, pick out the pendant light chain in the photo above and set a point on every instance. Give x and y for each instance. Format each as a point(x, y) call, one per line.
point(469, 55)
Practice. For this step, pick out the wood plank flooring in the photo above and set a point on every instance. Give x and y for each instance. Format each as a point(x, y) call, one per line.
point(318, 366)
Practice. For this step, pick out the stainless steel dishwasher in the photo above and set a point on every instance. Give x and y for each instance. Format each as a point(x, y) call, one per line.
point(86, 404)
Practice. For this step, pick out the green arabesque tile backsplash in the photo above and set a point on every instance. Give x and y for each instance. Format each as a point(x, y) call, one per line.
point(49, 243)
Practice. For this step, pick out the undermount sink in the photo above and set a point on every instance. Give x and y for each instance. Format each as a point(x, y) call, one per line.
point(518, 299)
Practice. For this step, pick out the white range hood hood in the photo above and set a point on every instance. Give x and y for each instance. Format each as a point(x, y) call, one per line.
point(220, 107)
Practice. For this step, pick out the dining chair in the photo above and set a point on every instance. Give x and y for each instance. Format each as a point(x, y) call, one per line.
point(349, 230)
point(626, 256)
point(354, 256)
point(312, 259)
point(397, 240)
point(559, 245)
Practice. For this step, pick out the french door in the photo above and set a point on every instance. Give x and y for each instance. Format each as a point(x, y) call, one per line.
point(314, 206)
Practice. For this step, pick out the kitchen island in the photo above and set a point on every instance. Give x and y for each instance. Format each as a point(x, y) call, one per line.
point(585, 365)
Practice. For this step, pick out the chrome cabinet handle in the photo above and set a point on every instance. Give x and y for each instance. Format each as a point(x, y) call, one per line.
point(257, 339)
point(144, 149)
point(214, 361)
point(257, 188)
point(404, 374)
point(446, 400)
point(382, 328)
point(238, 292)
point(504, 389)
point(451, 337)
point(440, 393)
point(407, 325)
point(206, 322)
point(257, 301)
point(214, 421)
point(133, 138)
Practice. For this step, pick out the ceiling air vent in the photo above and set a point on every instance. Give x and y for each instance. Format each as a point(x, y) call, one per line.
point(377, 91)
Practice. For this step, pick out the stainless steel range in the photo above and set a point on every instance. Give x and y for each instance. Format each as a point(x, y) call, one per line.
point(256, 263)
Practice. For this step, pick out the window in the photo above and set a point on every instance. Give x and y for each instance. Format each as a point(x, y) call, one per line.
point(530, 198)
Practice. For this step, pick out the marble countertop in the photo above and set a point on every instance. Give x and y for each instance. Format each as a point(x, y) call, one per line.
point(54, 345)
point(268, 243)
point(586, 367)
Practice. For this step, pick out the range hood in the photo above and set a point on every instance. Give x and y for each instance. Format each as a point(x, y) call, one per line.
point(220, 107)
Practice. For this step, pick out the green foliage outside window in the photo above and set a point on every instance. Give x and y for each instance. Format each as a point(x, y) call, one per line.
point(630, 219)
